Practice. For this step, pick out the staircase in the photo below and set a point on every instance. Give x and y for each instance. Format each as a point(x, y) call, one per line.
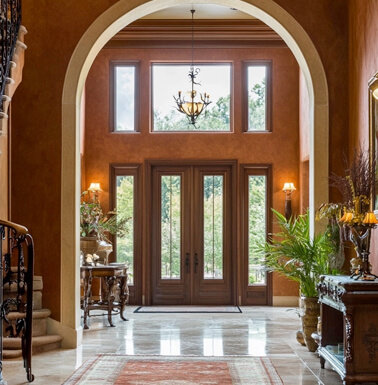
point(41, 341)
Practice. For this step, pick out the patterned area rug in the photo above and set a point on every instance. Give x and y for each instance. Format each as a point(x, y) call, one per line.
point(116, 369)
point(188, 309)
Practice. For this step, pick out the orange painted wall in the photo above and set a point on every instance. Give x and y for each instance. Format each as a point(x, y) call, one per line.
point(54, 31)
point(279, 148)
point(363, 63)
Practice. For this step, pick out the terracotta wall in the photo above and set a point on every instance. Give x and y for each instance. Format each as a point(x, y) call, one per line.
point(279, 148)
point(363, 63)
point(54, 31)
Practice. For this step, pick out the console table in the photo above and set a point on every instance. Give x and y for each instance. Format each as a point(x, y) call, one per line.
point(115, 278)
point(349, 318)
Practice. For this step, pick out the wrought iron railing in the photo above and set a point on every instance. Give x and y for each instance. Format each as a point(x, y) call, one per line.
point(17, 269)
point(10, 22)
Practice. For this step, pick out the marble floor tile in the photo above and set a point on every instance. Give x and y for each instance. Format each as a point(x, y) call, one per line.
point(258, 331)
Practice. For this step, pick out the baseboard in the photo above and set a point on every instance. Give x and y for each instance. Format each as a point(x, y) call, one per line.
point(72, 338)
point(286, 301)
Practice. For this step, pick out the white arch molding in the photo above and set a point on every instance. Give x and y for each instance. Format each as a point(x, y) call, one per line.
point(103, 28)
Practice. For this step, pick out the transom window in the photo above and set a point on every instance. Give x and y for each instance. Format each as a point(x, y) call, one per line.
point(123, 97)
point(258, 96)
point(169, 79)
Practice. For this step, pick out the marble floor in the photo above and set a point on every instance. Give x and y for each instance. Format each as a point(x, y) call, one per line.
point(258, 331)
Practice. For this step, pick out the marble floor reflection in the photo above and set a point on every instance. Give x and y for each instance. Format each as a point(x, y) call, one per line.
point(258, 331)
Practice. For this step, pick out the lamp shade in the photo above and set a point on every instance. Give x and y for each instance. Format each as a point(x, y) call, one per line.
point(347, 217)
point(288, 187)
point(375, 93)
point(94, 187)
point(370, 218)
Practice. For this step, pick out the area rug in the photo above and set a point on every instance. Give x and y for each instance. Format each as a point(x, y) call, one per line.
point(114, 369)
point(188, 309)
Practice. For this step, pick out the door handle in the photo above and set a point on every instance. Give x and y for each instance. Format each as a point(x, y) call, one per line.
point(195, 262)
point(187, 263)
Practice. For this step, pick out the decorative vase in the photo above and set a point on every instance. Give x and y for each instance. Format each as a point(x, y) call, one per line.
point(104, 249)
point(310, 321)
point(89, 245)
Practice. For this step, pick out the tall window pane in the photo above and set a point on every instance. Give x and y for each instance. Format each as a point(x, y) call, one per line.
point(170, 226)
point(213, 226)
point(257, 98)
point(169, 79)
point(256, 225)
point(124, 83)
point(125, 209)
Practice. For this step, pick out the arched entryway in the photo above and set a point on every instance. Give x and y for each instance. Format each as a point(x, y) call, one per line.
point(110, 22)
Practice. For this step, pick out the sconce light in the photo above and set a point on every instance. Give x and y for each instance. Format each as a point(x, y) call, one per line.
point(375, 93)
point(288, 188)
point(95, 189)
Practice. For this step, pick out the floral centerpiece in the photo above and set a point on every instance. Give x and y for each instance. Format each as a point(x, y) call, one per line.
point(357, 187)
point(96, 226)
point(93, 221)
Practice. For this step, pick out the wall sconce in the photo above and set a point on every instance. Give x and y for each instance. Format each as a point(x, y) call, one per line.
point(95, 189)
point(288, 188)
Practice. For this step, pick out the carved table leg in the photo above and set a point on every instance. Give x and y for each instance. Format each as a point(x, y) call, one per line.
point(110, 283)
point(124, 295)
point(87, 296)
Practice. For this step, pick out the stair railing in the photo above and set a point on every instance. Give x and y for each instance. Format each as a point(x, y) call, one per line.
point(17, 267)
point(10, 22)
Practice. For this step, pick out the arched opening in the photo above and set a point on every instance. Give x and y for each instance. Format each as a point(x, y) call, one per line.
point(110, 22)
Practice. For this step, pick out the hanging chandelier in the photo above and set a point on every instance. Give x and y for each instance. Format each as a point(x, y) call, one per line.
point(192, 108)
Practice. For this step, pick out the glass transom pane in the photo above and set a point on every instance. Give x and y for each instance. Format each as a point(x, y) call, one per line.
point(169, 79)
point(170, 226)
point(213, 226)
point(125, 209)
point(257, 98)
point(124, 98)
point(256, 226)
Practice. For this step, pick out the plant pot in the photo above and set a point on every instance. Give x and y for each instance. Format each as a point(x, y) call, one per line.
point(310, 321)
point(89, 245)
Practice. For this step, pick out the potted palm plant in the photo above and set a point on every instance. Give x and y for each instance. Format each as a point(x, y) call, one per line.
point(293, 253)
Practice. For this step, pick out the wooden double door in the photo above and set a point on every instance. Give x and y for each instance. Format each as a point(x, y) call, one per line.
point(192, 229)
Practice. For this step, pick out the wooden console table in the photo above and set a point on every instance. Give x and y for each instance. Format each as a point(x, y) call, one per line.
point(349, 317)
point(114, 277)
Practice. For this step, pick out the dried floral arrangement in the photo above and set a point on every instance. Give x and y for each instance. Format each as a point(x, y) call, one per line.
point(357, 187)
point(93, 221)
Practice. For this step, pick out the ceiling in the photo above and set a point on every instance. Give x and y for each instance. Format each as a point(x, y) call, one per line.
point(202, 11)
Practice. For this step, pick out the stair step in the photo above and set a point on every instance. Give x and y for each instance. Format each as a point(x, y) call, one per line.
point(9, 354)
point(40, 341)
point(39, 321)
point(37, 314)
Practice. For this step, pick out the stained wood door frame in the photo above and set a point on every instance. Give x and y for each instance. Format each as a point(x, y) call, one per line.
point(149, 165)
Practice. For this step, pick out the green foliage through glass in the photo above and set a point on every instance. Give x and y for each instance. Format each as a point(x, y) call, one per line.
point(125, 209)
point(213, 226)
point(256, 226)
point(170, 226)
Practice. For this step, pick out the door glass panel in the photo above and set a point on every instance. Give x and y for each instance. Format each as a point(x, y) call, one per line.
point(170, 226)
point(213, 226)
point(256, 226)
point(125, 209)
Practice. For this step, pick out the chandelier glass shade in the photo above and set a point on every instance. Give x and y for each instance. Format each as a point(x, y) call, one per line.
point(194, 105)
